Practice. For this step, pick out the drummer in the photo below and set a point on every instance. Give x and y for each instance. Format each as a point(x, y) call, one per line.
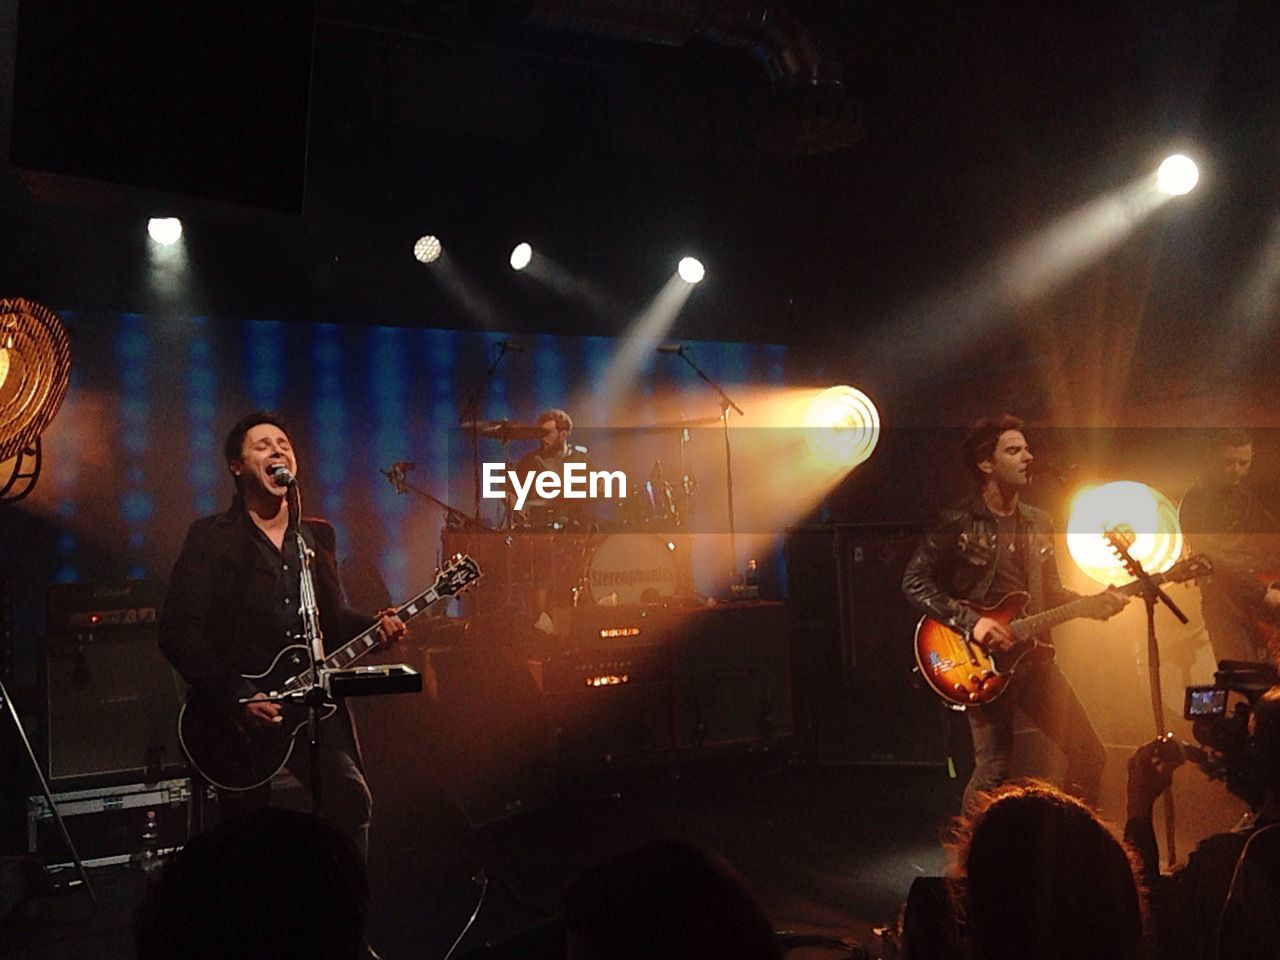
point(553, 452)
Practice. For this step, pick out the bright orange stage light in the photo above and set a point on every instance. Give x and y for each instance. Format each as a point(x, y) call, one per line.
point(1130, 507)
point(842, 427)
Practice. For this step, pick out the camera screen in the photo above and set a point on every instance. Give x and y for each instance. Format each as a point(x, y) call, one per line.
point(1205, 702)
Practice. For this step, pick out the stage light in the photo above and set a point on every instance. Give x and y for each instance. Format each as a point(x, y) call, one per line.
point(842, 426)
point(521, 256)
point(165, 231)
point(691, 270)
point(6, 344)
point(427, 249)
point(1177, 175)
point(1132, 508)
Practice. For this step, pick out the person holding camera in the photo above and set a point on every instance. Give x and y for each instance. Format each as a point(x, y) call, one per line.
point(1222, 877)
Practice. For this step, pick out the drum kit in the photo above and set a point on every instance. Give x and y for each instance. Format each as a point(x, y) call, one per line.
point(550, 555)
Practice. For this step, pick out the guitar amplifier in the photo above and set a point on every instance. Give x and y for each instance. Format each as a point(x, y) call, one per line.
point(111, 700)
point(608, 705)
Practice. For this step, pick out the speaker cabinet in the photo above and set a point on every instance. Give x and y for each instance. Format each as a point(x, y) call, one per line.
point(864, 702)
point(732, 673)
point(491, 719)
point(111, 698)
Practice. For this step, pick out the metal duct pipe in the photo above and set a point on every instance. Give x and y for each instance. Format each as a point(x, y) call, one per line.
point(784, 46)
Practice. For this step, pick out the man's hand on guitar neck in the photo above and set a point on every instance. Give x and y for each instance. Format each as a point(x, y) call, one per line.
point(991, 634)
point(1108, 603)
point(391, 629)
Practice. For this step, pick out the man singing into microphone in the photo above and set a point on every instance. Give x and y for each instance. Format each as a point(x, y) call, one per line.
point(981, 549)
point(234, 602)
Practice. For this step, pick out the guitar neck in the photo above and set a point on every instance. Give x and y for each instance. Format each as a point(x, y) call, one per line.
point(357, 647)
point(1025, 627)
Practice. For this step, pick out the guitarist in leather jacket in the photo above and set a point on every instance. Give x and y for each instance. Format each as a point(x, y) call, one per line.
point(233, 603)
point(978, 551)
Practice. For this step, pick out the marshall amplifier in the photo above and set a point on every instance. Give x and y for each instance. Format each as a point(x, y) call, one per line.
point(111, 698)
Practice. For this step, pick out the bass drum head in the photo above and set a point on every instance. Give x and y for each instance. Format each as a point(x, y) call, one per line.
point(638, 567)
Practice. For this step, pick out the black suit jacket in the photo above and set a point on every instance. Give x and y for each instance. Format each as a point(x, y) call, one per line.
point(217, 623)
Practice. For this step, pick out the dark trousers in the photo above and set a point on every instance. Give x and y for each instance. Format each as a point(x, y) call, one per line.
point(344, 794)
point(1044, 695)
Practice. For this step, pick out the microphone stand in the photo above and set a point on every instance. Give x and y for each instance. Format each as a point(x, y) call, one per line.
point(48, 793)
point(469, 413)
point(317, 694)
point(454, 516)
point(726, 404)
point(1151, 593)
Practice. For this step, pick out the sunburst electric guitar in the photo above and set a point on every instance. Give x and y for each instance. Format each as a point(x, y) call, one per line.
point(234, 753)
point(965, 673)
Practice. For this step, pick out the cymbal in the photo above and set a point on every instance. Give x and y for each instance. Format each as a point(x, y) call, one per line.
point(680, 424)
point(503, 429)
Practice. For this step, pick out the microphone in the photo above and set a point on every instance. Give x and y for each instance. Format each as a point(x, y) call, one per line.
point(671, 348)
point(404, 466)
point(281, 475)
point(513, 346)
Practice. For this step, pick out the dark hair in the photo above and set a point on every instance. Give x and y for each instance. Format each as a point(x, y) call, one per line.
point(981, 442)
point(1040, 875)
point(1230, 437)
point(671, 899)
point(233, 446)
point(562, 419)
point(274, 882)
point(1266, 739)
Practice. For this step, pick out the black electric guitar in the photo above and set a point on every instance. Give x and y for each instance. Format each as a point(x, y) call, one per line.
point(233, 752)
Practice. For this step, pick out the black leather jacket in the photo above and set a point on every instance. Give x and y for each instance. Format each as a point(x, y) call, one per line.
point(955, 560)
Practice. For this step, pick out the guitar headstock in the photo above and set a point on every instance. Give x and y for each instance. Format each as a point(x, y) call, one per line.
point(1192, 567)
point(457, 575)
point(1120, 538)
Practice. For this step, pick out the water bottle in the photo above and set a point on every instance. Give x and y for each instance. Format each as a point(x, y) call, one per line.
point(148, 856)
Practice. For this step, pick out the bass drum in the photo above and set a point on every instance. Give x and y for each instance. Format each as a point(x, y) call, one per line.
point(638, 567)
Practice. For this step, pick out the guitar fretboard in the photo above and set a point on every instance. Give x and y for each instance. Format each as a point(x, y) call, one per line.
point(357, 647)
point(1025, 627)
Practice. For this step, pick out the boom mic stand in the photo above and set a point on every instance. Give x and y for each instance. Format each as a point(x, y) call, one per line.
point(1151, 593)
point(726, 404)
point(470, 411)
point(48, 793)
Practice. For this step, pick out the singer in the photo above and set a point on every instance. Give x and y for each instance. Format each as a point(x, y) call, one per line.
point(979, 551)
point(234, 596)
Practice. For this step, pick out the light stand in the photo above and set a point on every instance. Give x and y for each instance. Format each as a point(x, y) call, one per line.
point(726, 404)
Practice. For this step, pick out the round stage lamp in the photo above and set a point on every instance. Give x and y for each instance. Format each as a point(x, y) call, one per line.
point(427, 249)
point(521, 256)
point(1134, 509)
point(691, 270)
point(841, 427)
point(1177, 175)
point(165, 231)
point(35, 369)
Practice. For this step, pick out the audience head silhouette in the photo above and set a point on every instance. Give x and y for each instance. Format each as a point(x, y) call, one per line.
point(667, 899)
point(1042, 876)
point(275, 883)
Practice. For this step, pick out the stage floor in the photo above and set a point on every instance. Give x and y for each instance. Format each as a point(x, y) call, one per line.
point(827, 850)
